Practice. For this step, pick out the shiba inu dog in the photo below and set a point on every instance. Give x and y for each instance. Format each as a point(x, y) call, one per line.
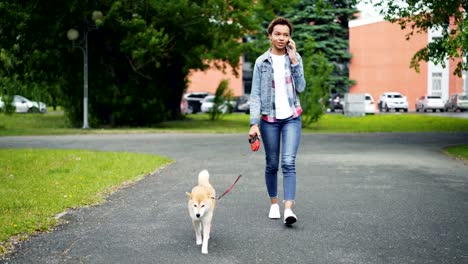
point(201, 204)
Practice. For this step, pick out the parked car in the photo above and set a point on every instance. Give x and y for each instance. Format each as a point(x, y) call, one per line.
point(208, 103)
point(457, 102)
point(24, 105)
point(243, 104)
point(336, 102)
point(393, 100)
point(430, 102)
point(369, 104)
point(191, 102)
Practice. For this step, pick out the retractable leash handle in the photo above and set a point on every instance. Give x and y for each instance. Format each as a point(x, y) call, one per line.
point(254, 143)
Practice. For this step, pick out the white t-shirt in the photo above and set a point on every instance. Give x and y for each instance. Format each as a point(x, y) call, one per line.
point(283, 110)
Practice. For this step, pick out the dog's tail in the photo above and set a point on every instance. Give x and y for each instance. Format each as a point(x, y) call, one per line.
point(203, 177)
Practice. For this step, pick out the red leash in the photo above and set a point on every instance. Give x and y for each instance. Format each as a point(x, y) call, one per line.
point(230, 188)
point(254, 145)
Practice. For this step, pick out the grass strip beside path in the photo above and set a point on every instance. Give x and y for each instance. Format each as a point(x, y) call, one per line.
point(389, 123)
point(56, 124)
point(38, 184)
point(459, 152)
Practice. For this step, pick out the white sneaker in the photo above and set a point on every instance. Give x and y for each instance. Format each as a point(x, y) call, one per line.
point(289, 217)
point(274, 212)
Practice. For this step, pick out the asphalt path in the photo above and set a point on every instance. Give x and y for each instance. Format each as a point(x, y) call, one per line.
point(361, 198)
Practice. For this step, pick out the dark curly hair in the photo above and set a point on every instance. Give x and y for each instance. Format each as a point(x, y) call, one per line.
point(279, 21)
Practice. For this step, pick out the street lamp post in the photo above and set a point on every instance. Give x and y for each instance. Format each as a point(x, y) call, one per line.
point(83, 45)
point(73, 35)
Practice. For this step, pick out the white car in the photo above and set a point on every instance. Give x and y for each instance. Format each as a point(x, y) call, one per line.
point(208, 103)
point(393, 100)
point(191, 102)
point(430, 102)
point(24, 105)
point(369, 104)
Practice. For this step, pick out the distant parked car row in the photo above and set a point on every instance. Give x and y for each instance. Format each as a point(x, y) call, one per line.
point(203, 102)
point(209, 102)
point(396, 101)
point(24, 105)
point(389, 101)
point(455, 103)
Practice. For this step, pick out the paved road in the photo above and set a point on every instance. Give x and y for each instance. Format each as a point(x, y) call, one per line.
point(362, 198)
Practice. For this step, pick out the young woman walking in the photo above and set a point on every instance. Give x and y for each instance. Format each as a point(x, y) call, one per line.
point(275, 113)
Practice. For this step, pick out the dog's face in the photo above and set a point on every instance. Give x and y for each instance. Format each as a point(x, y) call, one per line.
point(199, 204)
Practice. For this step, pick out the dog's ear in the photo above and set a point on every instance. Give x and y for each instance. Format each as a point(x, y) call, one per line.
point(189, 195)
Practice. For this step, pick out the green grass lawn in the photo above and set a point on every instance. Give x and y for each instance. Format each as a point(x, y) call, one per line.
point(55, 124)
point(38, 184)
point(52, 123)
point(331, 123)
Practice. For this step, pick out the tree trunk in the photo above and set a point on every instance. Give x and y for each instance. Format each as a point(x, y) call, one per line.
point(177, 82)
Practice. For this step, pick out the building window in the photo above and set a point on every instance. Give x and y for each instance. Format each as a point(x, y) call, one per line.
point(436, 84)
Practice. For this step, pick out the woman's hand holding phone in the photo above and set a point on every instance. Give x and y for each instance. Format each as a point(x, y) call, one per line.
point(291, 49)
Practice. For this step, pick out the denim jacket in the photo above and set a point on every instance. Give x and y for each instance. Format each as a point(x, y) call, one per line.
point(261, 99)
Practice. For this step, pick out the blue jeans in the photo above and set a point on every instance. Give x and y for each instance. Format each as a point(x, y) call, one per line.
point(286, 132)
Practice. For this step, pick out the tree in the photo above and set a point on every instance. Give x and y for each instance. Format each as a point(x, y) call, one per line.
point(21, 49)
point(326, 21)
point(321, 35)
point(140, 52)
point(423, 15)
point(257, 42)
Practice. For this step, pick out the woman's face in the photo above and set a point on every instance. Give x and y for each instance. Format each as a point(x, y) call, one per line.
point(279, 37)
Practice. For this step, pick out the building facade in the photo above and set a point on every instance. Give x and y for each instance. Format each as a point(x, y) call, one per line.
point(208, 80)
point(381, 62)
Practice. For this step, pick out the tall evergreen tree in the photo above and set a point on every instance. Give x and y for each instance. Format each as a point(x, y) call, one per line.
point(326, 21)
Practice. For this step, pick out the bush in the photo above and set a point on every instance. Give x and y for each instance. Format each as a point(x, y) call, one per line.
point(317, 71)
point(8, 106)
point(223, 94)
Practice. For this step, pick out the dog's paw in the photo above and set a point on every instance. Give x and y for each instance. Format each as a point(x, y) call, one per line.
point(199, 242)
point(204, 249)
